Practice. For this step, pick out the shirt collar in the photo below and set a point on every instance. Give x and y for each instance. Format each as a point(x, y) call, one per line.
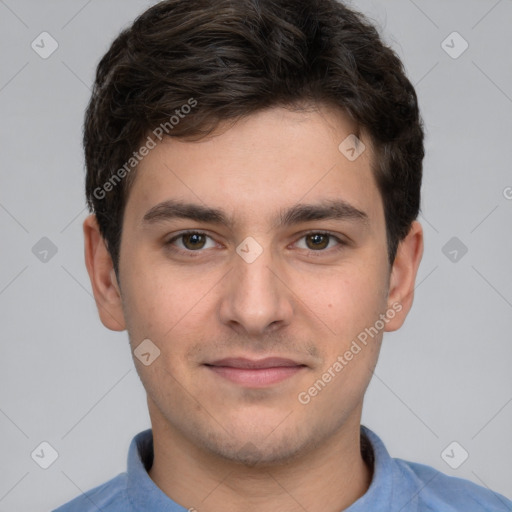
point(380, 497)
point(142, 492)
point(390, 488)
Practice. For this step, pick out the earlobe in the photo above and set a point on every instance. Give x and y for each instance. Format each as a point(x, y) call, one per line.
point(104, 283)
point(403, 276)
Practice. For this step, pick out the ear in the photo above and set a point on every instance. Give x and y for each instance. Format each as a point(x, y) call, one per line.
point(103, 278)
point(403, 276)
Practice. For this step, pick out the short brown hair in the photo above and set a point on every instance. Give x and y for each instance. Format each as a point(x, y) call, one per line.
point(233, 58)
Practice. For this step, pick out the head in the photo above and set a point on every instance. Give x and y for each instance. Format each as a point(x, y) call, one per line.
point(231, 219)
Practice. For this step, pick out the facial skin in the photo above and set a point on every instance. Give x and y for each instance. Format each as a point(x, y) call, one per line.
point(223, 445)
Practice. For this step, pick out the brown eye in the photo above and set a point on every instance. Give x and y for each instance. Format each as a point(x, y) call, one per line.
point(317, 241)
point(193, 241)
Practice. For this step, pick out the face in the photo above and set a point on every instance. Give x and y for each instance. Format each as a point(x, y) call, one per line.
point(256, 262)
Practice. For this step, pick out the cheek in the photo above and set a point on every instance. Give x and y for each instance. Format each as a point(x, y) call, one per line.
point(349, 299)
point(163, 305)
point(352, 304)
point(150, 309)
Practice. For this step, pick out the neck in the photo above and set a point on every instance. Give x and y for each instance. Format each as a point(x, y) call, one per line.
point(329, 478)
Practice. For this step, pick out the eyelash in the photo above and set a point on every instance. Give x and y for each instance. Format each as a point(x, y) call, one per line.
point(196, 253)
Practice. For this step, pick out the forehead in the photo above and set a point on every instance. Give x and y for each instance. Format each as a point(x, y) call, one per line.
point(268, 161)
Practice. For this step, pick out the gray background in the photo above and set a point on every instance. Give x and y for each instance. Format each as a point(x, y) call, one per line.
point(67, 380)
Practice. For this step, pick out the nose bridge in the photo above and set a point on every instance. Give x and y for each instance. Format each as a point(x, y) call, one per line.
point(254, 298)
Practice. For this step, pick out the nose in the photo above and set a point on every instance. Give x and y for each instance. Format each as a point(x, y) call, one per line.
point(255, 298)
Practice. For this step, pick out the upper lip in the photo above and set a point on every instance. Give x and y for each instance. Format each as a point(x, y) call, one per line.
point(267, 362)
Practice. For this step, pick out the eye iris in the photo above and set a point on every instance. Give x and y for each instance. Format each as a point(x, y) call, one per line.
point(194, 241)
point(317, 241)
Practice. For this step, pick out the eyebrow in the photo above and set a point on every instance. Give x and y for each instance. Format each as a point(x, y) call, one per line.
point(325, 210)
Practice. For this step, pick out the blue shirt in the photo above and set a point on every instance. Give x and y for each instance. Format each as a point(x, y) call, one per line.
point(397, 485)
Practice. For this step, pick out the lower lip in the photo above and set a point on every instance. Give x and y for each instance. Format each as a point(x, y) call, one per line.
point(256, 377)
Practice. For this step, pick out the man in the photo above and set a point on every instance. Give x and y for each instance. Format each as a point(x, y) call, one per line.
point(254, 173)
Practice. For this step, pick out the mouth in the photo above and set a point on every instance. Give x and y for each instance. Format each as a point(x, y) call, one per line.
point(255, 373)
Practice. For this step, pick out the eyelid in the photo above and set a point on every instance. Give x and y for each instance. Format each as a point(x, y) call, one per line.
point(340, 241)
point(177, 236)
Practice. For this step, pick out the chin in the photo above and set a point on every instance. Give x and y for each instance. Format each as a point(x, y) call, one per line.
point(254, 456)
point(263, 448)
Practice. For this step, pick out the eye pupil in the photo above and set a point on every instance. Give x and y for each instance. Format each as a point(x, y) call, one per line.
point(193, 240)
point(317, 241)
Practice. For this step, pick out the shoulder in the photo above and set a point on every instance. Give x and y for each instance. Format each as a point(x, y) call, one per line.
point(414, 487)
point(108, 497)
point(437, 491)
